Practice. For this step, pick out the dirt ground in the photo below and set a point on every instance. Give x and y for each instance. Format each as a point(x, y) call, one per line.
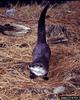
point(16, 54)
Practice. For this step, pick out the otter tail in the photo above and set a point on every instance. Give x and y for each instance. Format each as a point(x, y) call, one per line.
point(41, 26)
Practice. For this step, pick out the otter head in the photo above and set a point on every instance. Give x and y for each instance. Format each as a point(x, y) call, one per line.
point(37, 69)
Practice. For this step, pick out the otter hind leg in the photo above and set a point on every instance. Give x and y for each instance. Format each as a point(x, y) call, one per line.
point(45, 77)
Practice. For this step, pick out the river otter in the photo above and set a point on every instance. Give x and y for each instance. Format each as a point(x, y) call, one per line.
point(41, 53)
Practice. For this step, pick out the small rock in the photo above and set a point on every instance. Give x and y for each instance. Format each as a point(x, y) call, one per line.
point(59, 90)
point(19, 30)
point(10, 12)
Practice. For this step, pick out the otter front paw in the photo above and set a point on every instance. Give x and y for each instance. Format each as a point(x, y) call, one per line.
point(32, 76)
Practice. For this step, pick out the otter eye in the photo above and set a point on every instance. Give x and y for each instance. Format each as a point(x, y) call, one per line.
point(30, 65)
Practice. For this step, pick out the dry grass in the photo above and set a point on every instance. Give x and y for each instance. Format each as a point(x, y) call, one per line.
point(15, 83)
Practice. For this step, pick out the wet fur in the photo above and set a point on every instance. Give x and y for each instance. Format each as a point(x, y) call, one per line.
point(41, 53)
